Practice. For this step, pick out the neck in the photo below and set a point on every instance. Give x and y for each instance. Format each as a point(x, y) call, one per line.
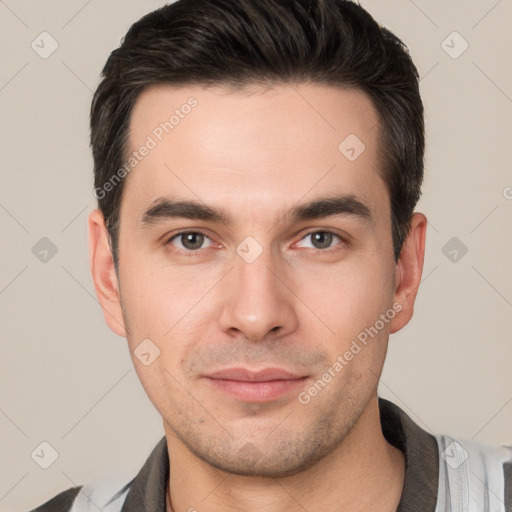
point(364, 473)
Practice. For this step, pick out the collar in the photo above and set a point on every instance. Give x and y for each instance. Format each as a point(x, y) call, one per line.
point(421, 453)
point(419, 494)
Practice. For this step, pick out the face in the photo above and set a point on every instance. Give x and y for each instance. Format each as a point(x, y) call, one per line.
point(254, 255)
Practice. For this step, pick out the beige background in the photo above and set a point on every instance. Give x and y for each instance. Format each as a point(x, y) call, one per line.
point(66, 379)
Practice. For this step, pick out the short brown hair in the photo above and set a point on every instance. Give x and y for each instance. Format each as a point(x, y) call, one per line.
point(243, 42)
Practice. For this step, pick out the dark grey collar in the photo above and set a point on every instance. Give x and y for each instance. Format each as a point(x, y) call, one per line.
point(421, 458)
point(148, 489)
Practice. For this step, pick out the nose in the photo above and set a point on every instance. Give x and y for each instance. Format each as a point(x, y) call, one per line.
point(258, 300)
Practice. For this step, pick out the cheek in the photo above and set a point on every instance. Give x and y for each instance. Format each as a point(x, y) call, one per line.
point(166, 305)
point(350, 302)
point(350, 296)
point(154, 296)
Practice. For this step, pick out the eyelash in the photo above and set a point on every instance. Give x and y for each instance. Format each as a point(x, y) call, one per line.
point(196, 252)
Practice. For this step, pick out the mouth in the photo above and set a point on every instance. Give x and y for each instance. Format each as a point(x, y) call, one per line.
point(258, 386)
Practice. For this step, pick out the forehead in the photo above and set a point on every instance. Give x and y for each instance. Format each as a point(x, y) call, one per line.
point(261, 147)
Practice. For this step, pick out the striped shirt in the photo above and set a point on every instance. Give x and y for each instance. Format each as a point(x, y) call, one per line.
point(442, 474)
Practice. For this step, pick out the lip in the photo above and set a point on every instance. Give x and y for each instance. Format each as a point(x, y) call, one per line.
point(245, 375)
point(259, 386)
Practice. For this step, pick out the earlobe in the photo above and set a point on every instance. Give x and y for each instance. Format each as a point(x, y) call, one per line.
point(103, 273)
point(408, 271)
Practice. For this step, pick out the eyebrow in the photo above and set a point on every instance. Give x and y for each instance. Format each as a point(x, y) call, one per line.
point(165, 208)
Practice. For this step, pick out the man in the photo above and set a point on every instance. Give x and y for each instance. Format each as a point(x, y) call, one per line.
point(257, 166)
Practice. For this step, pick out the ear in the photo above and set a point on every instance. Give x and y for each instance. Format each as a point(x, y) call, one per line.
point(104, 273)
point(408, 271)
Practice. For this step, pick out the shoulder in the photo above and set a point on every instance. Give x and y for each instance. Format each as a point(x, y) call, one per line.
point(61, 501)
point(107, 495)
point(470, 470)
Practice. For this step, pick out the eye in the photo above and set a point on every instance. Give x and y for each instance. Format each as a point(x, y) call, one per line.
point(189, 240)
point(321, 239)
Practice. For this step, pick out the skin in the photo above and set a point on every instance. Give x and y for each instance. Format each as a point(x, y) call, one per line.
point(257, 154)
